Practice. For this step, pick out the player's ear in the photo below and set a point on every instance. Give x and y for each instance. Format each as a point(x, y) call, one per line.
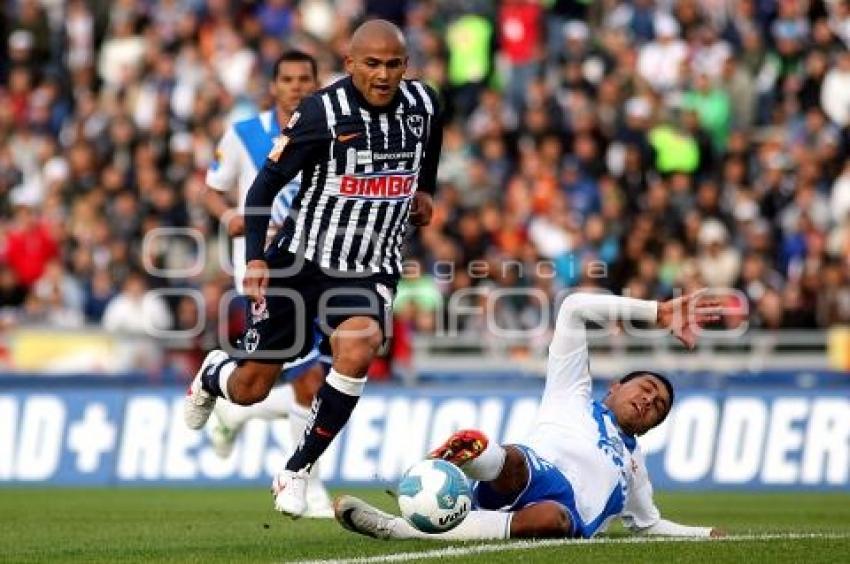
point(614, 387)
point(349, 64)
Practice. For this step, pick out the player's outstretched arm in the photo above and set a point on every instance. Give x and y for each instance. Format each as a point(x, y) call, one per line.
point(681, 316)
point(579, 308)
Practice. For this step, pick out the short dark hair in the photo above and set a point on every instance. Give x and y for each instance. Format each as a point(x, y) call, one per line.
point(296, 57)
point(663, 379)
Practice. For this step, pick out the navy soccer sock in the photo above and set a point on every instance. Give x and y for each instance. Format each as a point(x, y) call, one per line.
point(331, 410)
point(211, 378)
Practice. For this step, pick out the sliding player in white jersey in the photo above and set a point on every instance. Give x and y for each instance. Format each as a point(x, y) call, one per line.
point(239, 155)
point(581, 466)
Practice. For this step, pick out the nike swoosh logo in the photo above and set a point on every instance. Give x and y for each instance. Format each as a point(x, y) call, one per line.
point(323, 432)
point(344, 137)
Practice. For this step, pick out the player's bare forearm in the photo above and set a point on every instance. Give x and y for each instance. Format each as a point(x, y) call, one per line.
point(218, 206)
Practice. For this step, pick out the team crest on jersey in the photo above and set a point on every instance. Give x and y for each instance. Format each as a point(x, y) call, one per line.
point(416, 124)
point(251, 340)
point(617, 446)
point(216, 162)
point(280, 144)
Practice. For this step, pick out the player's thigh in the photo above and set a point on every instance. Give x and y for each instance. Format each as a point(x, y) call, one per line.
point(546, 519)
point(355, 311)
point(514, 475)
point(528, 480)
point(280, 328)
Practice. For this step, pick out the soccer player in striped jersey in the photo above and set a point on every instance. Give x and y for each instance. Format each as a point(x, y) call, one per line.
point(580, 466)
point(239, 156)
point(367, 148)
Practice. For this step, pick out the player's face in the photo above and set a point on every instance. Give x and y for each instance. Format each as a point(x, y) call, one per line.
point(377, 69)
point(639, 404)
point(294, 80)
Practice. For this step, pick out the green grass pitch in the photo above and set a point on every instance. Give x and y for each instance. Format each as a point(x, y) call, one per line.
point(238, 525)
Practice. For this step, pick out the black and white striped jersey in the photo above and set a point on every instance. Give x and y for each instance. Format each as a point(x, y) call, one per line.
point(360, 167)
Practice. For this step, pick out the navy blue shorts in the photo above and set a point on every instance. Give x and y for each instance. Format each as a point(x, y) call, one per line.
point(545, 483)
point(300, 298)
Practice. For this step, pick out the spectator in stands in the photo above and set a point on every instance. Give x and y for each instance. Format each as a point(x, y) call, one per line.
point(135, 311)
point(677, 143)
point(719, 263)
point(29, 244)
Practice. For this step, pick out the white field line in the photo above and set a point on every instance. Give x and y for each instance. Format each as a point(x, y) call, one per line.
point(458, 551)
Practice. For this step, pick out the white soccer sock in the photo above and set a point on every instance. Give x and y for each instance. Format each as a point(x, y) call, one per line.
point(277, 405)
point(298, 415)
point(346, 384)
point(488, 465)
point(478, 525)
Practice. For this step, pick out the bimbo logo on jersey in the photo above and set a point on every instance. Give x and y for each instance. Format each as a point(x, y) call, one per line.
point(379, 186)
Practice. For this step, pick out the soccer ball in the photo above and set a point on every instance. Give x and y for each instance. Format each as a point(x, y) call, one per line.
point(434, 496)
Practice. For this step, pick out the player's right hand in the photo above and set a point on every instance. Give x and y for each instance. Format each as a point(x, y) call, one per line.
point(256, 280)
point(684, 316)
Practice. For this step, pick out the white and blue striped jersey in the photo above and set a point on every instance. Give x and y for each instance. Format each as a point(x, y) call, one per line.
point(361, 166)
point(580, 436)
point(239, 156)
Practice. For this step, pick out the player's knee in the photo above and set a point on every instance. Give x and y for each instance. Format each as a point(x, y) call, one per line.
point(247, 393)
point(357, 343)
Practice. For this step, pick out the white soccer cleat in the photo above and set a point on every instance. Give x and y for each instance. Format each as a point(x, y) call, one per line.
point(198, 403)
point(319, 504)
point(290, 492)
point(223, 433)
point(358, 516)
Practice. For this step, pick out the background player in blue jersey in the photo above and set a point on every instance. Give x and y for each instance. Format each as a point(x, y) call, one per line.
point(367, 148)
point(581, 465)
point(239, 156)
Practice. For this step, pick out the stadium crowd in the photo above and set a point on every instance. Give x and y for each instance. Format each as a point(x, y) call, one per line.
point(638, 146)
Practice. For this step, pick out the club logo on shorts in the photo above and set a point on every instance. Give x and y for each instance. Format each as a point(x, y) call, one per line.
point(416, 124)
point(259, 311)
point(252, 340)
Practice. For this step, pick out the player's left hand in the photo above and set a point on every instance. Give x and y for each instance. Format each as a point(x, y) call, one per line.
point(685, 315)
point(421, 209)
